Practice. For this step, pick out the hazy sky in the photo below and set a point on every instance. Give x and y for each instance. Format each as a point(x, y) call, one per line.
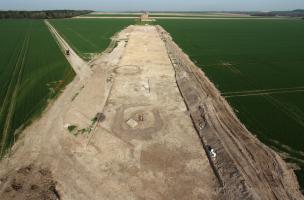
point(159, 5)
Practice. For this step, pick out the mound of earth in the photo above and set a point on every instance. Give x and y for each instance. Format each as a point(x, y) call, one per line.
point(28, 183)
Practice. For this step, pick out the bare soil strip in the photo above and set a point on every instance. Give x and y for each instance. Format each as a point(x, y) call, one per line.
point(146, 146)
point(80, 66)
point(245, 167)
point(29, 183)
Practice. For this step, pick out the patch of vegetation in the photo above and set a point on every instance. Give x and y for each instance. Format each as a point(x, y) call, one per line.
point(250, 57)
point(71, 128)
point(98, 118)
point(292, 13)
point(30, 74)
point(94, 120)
point(89, 36)
point(45, 14)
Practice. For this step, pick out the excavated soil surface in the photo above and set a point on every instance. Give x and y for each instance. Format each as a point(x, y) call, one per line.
point(159, 115)
point(28, 183)
point(146, 146)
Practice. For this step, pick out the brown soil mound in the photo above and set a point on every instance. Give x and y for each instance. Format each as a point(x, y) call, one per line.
point(28, 183)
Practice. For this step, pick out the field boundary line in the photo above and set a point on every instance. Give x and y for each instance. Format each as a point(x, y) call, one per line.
point(11, 109)
point(261, 90)
point(264, 92)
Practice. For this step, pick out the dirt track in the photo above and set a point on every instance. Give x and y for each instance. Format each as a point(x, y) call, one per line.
point(80, 67)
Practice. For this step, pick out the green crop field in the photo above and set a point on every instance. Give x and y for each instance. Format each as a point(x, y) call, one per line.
point(89, 36)
point(167, 15)
point(258, 65)
point(186, 15)
point(32, 70)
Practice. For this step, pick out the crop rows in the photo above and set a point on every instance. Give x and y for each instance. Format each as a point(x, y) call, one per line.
point(9, 103)
point(33, 70)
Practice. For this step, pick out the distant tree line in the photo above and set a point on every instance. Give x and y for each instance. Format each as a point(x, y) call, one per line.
point(45, 14)
point(293, 13)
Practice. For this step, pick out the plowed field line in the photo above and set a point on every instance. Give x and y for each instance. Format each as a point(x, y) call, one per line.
point(263, 92)
point(11, 84)
point(19, 68)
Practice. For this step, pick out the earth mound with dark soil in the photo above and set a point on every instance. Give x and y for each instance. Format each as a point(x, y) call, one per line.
point(28, 183)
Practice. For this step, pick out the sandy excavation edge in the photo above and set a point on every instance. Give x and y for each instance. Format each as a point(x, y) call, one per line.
point(160, 112)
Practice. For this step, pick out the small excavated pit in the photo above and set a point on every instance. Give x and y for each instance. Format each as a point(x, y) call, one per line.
point(137, 122)
point(143, 119)
point(127, 70)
